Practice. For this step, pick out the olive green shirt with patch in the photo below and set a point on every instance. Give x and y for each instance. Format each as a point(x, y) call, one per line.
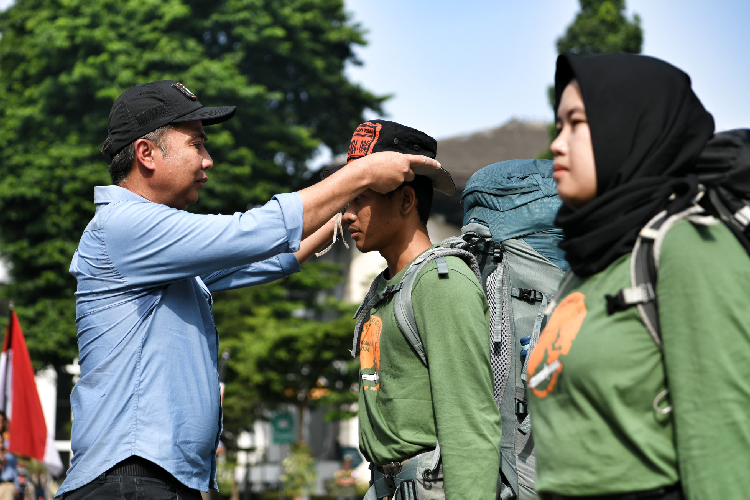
point(595, 427)
point(404, 406)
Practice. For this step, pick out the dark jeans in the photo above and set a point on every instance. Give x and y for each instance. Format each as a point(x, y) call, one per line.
point(132, 488)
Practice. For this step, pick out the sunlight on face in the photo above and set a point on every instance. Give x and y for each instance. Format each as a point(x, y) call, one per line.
point(372, 218)
point(573, 152)
point(184, 170)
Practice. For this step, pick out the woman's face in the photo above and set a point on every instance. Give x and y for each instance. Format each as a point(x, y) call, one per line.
point(573, 153)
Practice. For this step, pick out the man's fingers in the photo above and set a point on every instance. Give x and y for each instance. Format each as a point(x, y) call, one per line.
point(423, 161)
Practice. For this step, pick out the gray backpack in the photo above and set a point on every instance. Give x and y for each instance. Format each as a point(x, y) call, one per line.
point(510, 242)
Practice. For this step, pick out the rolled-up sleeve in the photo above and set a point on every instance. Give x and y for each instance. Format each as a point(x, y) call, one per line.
point(291, 208)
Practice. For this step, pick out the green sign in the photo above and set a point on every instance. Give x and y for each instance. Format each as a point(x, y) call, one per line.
point(283, 428)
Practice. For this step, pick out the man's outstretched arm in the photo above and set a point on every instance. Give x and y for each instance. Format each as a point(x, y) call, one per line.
point(382, 172)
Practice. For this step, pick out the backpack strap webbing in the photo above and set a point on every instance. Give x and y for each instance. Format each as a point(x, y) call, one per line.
point(560, 291)
point(403, 307)
point(644, 267)
point(363, 311)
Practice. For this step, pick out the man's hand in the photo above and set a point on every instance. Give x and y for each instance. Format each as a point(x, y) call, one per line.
point(387, 170)
point(382, 172)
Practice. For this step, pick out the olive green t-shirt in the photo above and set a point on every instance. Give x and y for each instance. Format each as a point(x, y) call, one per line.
point(595, 427)
point(404, 406)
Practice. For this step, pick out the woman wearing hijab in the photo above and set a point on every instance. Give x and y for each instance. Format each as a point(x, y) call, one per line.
point(630, 132)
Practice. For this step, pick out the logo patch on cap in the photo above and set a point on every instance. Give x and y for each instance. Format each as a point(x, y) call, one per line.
point(363, 140)
point(185, 91)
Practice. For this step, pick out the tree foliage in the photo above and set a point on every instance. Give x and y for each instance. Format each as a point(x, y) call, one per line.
point(64, 62)
point(600, 27)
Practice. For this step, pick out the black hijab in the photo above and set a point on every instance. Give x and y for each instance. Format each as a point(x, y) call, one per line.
point(648, 129)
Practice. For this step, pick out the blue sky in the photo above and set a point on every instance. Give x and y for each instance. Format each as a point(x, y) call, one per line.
point(456, 67)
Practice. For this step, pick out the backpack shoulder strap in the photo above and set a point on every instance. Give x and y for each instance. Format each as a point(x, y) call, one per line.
point(403, 307)
point(363, 311)
point(644, 267)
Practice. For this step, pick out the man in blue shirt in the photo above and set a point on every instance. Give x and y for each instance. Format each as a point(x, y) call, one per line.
point(147, 411)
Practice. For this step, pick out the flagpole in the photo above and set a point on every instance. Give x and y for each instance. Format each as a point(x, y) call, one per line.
point(8, 334)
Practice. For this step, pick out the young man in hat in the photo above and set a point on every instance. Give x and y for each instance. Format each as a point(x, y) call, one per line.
point(147, 413)
point(407, 406)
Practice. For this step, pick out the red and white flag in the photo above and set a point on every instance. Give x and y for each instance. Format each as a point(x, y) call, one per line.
point(19, 400)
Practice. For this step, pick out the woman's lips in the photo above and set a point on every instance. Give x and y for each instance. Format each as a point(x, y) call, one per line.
point(558, 170)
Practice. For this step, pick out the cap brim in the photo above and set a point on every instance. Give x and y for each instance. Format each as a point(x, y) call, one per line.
point(209, 116)
point(441, 179)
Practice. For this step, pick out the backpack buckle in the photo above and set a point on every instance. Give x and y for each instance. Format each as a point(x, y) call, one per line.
point(497, 253)
point(629, 297)
point(521, 408)
point(530, 295)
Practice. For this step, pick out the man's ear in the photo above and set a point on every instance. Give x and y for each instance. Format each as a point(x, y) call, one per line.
point(144, 153)
point(408, 200)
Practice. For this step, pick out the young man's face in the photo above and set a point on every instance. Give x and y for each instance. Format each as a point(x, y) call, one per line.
point(182, 172)
point(373, 220)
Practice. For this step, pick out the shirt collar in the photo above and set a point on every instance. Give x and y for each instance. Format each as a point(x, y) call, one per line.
point(109, 194)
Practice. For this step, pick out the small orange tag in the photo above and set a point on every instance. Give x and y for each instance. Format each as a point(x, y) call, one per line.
point(363, 140)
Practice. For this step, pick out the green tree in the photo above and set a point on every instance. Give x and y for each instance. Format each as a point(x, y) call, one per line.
point(64, 62)
point(298, 471)
point(289, 343)
point(600, 27)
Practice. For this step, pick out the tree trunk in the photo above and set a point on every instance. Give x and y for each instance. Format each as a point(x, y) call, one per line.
point(301, 408)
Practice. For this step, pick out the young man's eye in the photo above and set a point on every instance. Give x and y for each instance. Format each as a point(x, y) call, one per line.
point(357, 198)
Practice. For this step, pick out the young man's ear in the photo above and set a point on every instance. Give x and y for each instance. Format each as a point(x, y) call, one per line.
point(144, 153)
point(408, 200)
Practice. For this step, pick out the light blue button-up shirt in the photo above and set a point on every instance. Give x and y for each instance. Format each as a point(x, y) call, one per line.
point(148, 346)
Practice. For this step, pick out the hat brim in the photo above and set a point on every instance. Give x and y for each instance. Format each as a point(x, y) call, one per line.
point(209, 116)
point(441, 179)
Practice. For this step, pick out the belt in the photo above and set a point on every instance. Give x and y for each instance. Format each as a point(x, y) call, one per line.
point(394, 468)
point(391, 468)
point(672, 492)
point(137, 466)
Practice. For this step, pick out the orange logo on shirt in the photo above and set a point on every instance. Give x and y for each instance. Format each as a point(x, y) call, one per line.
point(555, 341)
point(369, 353)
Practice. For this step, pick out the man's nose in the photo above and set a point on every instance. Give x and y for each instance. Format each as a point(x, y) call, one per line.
point(348, 216)
point(208, 163)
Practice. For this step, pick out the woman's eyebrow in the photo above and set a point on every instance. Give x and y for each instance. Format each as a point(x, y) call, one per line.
point(575, 109)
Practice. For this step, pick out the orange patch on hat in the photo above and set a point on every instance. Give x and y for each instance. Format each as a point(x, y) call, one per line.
point(363, 140)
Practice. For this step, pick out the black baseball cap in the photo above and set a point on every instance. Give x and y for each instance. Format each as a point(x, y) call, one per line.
point(144, 108)
point(382, 135)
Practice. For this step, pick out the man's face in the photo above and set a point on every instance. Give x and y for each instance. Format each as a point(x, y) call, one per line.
point(181, 173)
point(373, 220)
